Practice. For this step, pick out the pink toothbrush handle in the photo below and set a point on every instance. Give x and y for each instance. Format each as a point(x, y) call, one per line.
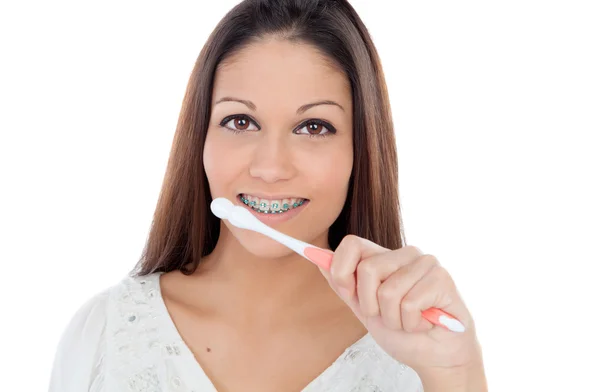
point(322, 258)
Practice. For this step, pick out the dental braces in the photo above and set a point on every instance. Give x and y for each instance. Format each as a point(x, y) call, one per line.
point(286, 206)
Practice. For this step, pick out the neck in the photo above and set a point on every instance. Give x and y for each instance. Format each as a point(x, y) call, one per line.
point(257, 289)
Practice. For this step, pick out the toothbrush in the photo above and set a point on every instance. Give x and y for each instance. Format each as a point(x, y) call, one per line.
point(242, 218)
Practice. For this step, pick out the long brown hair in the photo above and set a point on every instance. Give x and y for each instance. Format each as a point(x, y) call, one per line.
point(183, 228)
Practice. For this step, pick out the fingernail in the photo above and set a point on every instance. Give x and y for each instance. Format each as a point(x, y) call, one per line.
point(320, 257)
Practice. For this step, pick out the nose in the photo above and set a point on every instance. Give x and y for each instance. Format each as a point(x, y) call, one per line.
point(272, 160)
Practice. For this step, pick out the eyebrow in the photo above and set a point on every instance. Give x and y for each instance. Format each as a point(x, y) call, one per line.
point(300, 110)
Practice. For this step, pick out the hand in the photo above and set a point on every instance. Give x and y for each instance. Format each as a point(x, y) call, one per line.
point(388, 289)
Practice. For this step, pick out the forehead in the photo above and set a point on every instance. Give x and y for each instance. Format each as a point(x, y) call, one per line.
point(279, 72)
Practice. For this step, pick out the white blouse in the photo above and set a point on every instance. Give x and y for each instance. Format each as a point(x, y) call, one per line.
point(125, 340)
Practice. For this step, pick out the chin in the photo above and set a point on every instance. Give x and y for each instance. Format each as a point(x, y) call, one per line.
point(260, 245)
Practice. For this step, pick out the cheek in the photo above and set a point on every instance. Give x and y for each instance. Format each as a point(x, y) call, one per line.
point(211, 165)
point(330, 174)
point(219, 169)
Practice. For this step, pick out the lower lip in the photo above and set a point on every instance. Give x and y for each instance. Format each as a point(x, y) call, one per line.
point(274, 218)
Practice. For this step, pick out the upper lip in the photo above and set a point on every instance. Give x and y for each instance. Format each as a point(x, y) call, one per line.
point(275, 196)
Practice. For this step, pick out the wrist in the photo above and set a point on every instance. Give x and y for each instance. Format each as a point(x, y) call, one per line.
point(467, 378)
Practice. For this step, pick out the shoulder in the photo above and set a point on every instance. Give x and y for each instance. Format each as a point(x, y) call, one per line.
point(89, 322)
point(80, 355)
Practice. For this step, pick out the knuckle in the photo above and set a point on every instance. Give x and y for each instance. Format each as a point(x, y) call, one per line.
point(366, 267)
point(413, 249)
point(349, 241)
point(446, 299)
point(394, 285)
point(430, 260)
point(408, 305)
point(441, 274)
point(386, 293)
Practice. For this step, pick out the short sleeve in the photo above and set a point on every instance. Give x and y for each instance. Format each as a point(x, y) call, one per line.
point(79, 357)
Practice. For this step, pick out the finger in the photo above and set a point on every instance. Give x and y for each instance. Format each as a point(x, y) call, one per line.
point(397, 285)
point(345, 259)
point(435, 289)
point(373, 271)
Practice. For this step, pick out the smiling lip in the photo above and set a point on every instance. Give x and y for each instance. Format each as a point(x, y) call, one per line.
point(272, 219)
point(271, 197)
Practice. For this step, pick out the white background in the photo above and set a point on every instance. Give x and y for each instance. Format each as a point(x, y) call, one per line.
point(496, 106)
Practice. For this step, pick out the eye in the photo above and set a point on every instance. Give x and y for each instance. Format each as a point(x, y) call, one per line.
point(315, 127)
point(239, 123)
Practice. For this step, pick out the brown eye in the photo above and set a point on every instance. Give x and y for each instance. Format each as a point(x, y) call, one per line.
point(239, 123)
point(314, 129)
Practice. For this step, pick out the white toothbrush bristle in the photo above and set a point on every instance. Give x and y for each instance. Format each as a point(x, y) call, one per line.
point(236, 215)
point(242, 218)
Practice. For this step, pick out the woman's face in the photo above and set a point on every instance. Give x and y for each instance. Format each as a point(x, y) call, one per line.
point(280, 135)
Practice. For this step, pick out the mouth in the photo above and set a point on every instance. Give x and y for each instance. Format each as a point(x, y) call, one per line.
point(272, 210)
point(271, 206)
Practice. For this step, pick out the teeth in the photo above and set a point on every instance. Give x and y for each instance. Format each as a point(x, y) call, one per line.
point(271, 206)
point(251, 201)
point(263, 205)
point(275, 205)
point(286, 204)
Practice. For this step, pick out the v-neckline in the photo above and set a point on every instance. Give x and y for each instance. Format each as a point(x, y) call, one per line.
point(193, 367)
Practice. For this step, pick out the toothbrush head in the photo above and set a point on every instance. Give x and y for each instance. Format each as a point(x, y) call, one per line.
point(221, 207)
point(236, 215)
point(244, 219)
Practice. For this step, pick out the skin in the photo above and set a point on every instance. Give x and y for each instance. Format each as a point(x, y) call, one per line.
point(256, 311)
point(254, 301)
point(387, 290)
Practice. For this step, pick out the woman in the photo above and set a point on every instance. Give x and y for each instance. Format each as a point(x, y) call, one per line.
point(287, 114)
